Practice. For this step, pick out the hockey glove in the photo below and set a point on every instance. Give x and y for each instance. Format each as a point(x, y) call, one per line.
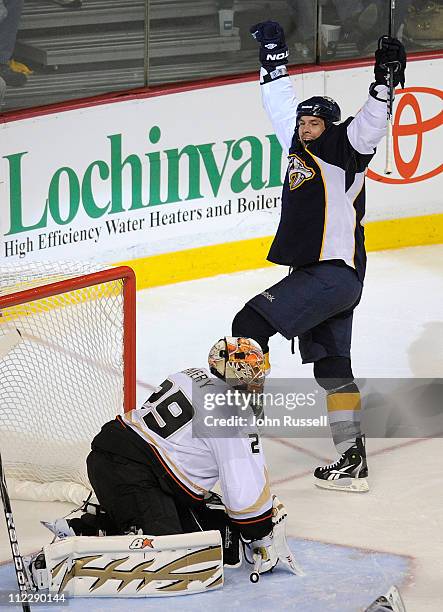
point(390, 52)
point(273, 547)
point(264, 548)
point(273, 49)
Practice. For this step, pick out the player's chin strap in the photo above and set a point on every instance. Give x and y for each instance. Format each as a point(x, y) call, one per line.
point(264, 554)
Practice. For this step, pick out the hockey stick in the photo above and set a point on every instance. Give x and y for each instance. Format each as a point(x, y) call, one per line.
point(22, 580)
point(390, 100)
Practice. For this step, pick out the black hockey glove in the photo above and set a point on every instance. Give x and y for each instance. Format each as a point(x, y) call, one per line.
point(273, 49)
point(390, 52)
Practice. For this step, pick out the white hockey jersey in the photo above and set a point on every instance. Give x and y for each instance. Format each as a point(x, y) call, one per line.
point(165, 423)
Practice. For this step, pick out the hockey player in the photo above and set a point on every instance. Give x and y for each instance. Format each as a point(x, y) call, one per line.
point(152, 475)
point(321, 237)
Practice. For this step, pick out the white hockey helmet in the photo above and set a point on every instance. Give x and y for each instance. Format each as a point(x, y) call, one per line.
point(238, 361)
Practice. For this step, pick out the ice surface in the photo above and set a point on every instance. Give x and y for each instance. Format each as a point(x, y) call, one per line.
point(352, 546)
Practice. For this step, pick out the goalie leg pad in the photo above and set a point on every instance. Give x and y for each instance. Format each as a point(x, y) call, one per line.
point(134, 566)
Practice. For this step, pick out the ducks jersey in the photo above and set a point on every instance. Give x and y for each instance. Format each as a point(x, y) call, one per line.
point(323, 200)
point(164, 431)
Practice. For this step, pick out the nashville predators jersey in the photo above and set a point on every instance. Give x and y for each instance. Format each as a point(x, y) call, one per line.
point(323, 199)
point(166, 424)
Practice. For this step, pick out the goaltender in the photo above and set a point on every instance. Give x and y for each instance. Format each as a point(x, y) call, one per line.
point(150, 473)
point(153, 475)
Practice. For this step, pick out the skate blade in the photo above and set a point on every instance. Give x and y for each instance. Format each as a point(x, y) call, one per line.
point(353, 485)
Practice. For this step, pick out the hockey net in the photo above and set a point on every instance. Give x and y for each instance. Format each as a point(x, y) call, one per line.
point(67, 365)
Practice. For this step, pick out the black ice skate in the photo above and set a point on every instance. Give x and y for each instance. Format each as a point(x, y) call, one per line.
point(348, 473)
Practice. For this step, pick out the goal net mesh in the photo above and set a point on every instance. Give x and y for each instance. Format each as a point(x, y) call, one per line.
point(61, 376)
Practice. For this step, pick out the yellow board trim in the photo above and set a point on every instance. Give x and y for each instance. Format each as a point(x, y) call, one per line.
point(251, 254)
point(343, 401)
point(201, 262)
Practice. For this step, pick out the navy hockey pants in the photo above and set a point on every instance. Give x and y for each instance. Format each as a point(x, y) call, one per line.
point(314, 303)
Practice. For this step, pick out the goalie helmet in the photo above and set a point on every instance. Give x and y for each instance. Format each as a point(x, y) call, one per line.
point(319, 106)
point(239, 362)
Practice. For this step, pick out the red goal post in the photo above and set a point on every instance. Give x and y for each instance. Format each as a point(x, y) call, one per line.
point(67, 365)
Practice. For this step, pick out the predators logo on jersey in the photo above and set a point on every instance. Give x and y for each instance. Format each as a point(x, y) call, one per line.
point(298, 172)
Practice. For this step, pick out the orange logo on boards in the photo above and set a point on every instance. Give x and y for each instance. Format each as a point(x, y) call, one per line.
point(407, 169)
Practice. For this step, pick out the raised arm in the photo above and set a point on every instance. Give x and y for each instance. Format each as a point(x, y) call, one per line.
point(280, 103)
point(279, 99)
point(369, 125)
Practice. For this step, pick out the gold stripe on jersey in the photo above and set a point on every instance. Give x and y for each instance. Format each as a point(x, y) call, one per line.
point(261, 500)
point(175, 471)
point(317, 161)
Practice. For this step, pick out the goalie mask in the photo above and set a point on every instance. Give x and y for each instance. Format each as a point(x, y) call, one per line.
point(239, 362)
